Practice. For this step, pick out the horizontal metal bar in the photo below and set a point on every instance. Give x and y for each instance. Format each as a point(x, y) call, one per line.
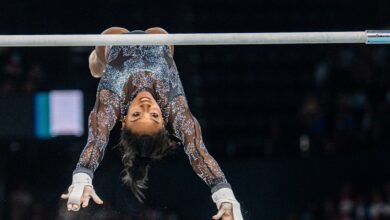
point(194, 39)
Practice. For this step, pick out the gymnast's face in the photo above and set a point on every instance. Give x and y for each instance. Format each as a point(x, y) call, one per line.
point(144, 115)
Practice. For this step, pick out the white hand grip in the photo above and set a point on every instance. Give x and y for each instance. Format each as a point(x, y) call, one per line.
point(80, 180)
point(226, 195)
point(75, 195)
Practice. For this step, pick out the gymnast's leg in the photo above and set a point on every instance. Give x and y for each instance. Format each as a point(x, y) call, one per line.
point(98, 58)
point(158, 30)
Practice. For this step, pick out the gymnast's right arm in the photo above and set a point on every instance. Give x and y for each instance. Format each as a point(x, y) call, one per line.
point(102, 119)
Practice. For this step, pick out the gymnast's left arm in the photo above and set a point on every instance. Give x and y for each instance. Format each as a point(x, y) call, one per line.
point(187, 129)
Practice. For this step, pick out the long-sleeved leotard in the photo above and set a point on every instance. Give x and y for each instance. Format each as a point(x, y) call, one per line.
point(102, 119)
point(132, 69)
point(187, 129)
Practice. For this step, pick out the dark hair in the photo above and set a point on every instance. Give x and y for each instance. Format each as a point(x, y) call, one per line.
point(137, 152)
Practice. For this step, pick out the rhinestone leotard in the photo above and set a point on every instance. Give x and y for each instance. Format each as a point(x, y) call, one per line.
point(131, 69)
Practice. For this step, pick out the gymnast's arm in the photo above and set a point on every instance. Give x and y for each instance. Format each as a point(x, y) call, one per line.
point(102, 119)
point(187, 129)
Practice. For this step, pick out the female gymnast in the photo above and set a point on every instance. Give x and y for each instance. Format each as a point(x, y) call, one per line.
point(140, 86)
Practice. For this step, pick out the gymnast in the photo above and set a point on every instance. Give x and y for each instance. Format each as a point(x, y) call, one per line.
point(140, 86)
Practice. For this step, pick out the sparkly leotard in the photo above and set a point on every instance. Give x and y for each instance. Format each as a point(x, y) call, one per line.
point(130, 70)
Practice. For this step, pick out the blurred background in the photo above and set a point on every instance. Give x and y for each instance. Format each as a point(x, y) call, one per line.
point(301, 131)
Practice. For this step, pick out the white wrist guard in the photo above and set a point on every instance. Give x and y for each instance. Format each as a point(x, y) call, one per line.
point(80, 180)
point(226, 195)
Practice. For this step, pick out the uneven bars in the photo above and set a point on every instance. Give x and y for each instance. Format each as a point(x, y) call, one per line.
point(367, 37)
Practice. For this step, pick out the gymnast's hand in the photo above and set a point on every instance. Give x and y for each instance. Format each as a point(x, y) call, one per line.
point(225, 212)
point(80, 192)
